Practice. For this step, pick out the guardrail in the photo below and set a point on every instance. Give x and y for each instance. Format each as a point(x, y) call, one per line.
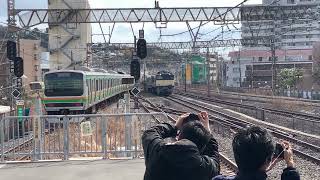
point(64, 137)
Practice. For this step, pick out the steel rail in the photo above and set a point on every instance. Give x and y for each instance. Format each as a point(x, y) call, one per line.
point(238, 123)
point(229, 164)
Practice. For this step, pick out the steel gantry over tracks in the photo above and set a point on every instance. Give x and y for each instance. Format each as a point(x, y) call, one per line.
point(219, 15)
point(187, 45)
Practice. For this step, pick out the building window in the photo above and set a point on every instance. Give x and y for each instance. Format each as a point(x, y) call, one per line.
point(236, 79)
point(36, 67)
point(260, 59)
point(310, 58)
point(290, 1)
point(235, 69)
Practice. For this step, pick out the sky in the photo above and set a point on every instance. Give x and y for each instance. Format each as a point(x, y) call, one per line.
point(122, 31)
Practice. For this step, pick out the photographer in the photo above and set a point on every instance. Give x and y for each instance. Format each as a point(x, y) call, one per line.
point(194, 156)
point(256, 153)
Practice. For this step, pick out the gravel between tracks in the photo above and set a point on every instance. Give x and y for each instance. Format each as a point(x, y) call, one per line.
point(307, 169)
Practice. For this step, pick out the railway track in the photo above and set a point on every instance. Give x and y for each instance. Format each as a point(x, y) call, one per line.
point(236, 123)
point(304, 122)
point(304, 116)
point(246, 96)
point(14, 151)
point(227, 167)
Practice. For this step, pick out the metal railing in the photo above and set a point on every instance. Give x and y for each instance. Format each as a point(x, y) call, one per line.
point(64, 137)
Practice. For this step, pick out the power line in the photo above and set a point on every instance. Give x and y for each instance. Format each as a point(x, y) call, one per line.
point(205, 22)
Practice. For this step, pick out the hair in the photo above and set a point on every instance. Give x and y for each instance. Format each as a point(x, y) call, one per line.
point(195, 132)
point(252, 148)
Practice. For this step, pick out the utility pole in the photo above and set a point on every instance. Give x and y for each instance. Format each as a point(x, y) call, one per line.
point(136, 106)
point(239, 66)
point(185, 75)
point(208, 72)
point(144, 75)
point(273, 57)
point(12, 36)
point(273, 68)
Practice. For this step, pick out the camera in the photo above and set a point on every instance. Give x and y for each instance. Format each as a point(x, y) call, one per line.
point(279, 151)
point(191, 117)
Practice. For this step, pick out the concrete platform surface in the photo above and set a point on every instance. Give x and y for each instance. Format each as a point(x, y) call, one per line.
point(75, 170)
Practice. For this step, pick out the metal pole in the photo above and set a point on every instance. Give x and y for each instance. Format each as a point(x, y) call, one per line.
point(104, 138)
point(65, 139)
point(273, 57)
point(2, 126)
point(135, 43)
point(240, 83)
point(208, 72)
point(185, 76)
point(144, 74)
point(128, 120)
point(127, 103)
point(38, 115)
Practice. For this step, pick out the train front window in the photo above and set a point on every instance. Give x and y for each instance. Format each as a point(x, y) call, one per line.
point(63, 84)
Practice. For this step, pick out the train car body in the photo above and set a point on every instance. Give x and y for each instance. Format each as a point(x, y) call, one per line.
point(161, 84)
point(79, 92)
point(195, 71)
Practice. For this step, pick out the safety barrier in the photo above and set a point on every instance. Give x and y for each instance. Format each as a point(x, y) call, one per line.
point(64, 137)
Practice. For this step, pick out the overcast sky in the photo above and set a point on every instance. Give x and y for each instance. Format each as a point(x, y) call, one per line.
point(123, 33)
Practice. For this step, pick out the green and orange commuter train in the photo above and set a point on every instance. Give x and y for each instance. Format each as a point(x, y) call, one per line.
point(81, 92)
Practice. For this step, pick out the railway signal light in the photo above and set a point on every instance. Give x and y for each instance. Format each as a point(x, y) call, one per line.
point(142, 48)
point(18, 67)
point(135, 69)
point(11, 50)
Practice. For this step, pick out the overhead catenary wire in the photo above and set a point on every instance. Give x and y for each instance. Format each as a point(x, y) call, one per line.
point(240, 4)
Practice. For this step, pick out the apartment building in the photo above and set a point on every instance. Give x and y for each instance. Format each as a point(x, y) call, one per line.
point(294, 39)
point(30, 51)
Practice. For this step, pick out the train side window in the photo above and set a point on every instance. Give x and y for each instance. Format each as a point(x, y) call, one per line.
point(88, 86)
point(97, 88)
point(92, 85)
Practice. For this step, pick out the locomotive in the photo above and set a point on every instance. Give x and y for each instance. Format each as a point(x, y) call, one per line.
point(160, 84)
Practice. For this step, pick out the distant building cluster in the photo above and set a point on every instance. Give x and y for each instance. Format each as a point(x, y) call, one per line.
point(251, 66)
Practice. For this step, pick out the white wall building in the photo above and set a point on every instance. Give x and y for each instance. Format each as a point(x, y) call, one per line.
point(294, 40)
point(68, 42)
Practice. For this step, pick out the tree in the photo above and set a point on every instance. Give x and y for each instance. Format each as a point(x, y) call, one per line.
point(288, 78)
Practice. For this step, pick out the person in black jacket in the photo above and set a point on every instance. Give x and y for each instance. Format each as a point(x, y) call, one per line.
point(194, 156)
point(255, 153)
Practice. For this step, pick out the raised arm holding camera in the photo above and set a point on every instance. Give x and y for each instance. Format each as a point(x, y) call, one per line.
point(194, 156)
point(256, 153)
